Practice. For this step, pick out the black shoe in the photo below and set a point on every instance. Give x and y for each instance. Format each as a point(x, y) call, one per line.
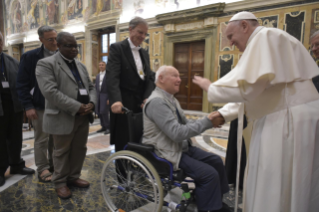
point(23, 171)
point(101, 130)
point(2, 180)
point(107, 132)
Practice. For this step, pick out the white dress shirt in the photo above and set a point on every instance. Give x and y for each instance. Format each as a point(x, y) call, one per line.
point(102, 74)
point(137, 59)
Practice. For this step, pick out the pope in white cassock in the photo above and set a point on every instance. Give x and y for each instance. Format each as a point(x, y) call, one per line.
point(272, 85)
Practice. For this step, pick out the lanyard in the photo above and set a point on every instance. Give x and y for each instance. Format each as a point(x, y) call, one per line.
point(2, 68)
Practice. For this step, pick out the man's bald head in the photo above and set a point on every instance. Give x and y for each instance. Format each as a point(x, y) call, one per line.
point(167, 78)
point(239, 31)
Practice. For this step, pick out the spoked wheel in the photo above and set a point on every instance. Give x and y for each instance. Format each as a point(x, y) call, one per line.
point(130, 183)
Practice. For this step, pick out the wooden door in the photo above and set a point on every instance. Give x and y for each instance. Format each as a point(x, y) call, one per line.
point(189, 61)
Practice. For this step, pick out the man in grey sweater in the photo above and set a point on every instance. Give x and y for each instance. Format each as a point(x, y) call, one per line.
point(166, 127)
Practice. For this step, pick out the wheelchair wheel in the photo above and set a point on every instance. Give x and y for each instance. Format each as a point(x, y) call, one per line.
point(137, 187)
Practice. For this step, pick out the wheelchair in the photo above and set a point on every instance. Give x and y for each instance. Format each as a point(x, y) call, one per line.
point(148, 177)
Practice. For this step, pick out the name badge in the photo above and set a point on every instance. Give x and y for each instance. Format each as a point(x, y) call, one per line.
point(83, 91)
point(5, 84)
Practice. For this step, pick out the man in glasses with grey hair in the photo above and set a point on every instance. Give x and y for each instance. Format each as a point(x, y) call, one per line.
point(33, 100)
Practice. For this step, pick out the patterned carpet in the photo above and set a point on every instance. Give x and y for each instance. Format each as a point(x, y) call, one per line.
point(31, 195)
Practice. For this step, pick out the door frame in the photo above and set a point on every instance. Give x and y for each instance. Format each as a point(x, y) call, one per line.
point(210, 37)
point(190, 54)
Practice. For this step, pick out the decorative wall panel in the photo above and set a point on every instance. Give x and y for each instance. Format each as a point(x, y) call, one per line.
point(314, 21)
point(223, 41)
point(52, 10)
point(16, 17)
point(295, 24)
point(33, 16)
point(95, 59)
point(146, 43)
point(99, 6)
point(269, 21)
point(225, 64)
point(117, 4)
point(157, 43)
point(156, 63)
point(74, 8)
point(81, 55)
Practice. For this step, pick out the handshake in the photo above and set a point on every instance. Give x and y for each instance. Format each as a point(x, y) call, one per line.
point(216, 118)
point(86, 109)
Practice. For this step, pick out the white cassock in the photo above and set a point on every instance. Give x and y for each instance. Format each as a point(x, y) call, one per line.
point(272, 80)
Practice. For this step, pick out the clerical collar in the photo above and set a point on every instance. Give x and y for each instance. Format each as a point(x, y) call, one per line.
point(132, 45)
point(254, 33)
point(67, 60)
point(48, 51)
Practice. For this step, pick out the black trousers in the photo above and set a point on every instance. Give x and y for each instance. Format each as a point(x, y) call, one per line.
point(10, 138)
point(231, 155)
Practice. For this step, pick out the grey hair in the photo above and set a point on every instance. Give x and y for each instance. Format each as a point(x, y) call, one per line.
point(136, 21)
point(62, 35)
point(314, 35)
point(161, 71)
point(44, 29)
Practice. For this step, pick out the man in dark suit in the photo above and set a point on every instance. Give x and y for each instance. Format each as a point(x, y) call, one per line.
point(11, 112)
point(102, 107)
point(33, 100)
point(69, 101)
point(129, 80)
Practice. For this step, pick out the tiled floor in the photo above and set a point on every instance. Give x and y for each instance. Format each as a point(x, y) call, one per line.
point(26, 193)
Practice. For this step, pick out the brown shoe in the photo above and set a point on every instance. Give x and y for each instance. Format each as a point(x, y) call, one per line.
point(79, 183)
point(63, 192)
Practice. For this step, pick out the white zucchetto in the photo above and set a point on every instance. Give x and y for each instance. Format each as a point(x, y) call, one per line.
point(243, 16)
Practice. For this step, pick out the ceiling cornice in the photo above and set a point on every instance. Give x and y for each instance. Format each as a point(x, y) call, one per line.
point(192, 14)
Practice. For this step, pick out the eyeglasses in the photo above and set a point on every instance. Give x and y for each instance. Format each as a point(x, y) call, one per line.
point(70, 46)
point(50, 39)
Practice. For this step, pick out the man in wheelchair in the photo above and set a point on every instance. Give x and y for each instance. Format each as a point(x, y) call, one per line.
point(168, 130)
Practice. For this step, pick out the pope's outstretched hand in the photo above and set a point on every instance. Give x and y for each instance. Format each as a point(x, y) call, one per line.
point(202, 82)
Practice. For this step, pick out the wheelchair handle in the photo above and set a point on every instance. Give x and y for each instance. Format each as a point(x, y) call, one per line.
point(125, 110)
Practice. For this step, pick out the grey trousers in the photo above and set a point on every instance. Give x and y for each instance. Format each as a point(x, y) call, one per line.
point(105, 121)
point(43, 145)
point(69, 152)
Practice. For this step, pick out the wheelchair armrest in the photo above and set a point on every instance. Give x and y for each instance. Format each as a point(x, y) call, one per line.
point(140, 147)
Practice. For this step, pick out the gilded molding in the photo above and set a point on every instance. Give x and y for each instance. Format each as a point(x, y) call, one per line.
point(192, 14)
